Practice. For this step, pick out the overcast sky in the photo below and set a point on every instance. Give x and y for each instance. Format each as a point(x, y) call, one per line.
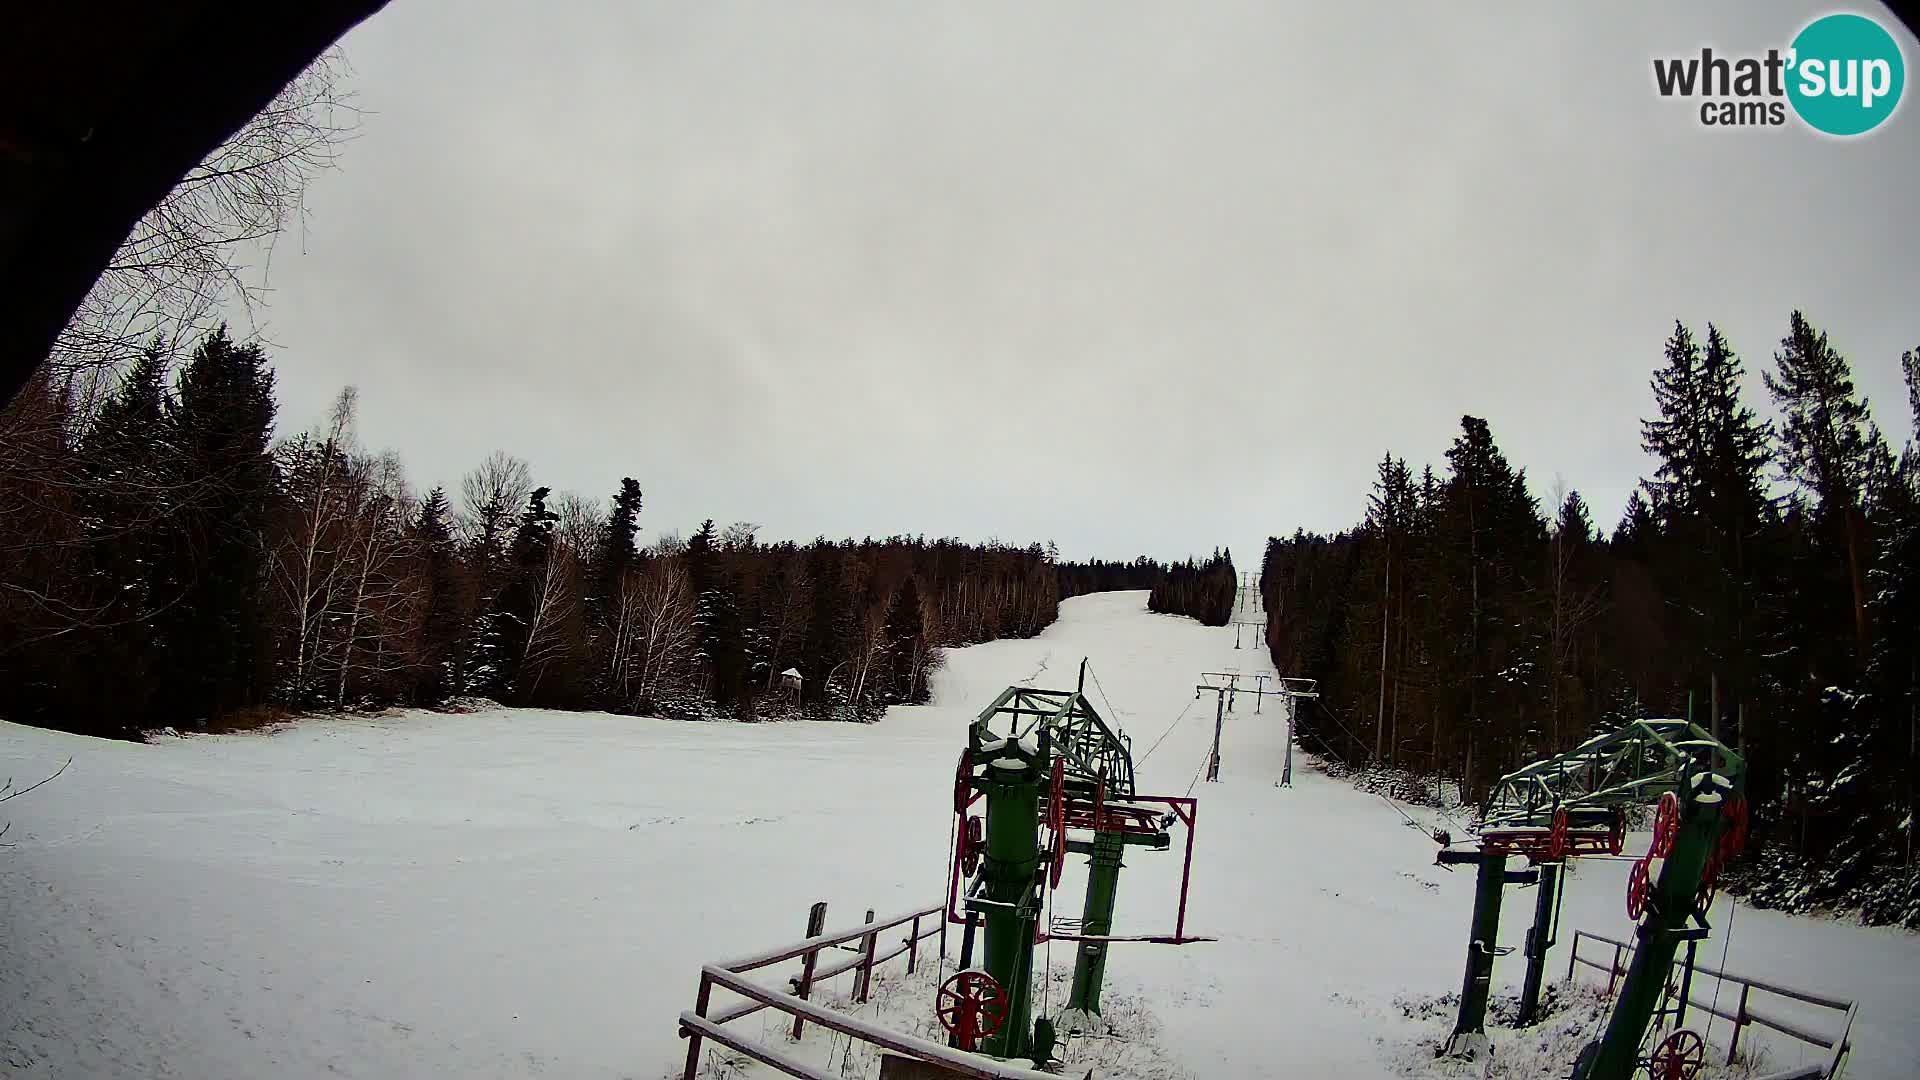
point(1131, 276)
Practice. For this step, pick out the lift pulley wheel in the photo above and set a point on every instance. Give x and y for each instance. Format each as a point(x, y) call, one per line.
point(1735, 836)
point(1638, 886)
point(963, 782)
point(1666, 825)
point(1057, 821)
point(971, 1005)
point(1617, 835)
point(973, 841)
point(1557, 837)
point(1680, 1057)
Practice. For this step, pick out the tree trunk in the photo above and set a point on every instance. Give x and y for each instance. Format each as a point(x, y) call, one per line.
point(1386, 624)
point(1856, 525)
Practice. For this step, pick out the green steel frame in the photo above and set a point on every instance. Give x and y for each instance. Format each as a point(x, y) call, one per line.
point(1011, 750)
point(1094, 753)
point(1633, 765)
point(1586, 787)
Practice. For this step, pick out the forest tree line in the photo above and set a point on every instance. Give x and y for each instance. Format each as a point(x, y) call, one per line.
point(1764, 581)
point(169, 563)
point(1202, 590)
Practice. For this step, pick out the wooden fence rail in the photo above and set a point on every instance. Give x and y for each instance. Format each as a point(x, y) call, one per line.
point(1837, 1044)
point(701, 1024)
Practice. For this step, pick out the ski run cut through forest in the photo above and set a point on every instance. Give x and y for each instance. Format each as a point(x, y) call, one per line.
point(523, 892)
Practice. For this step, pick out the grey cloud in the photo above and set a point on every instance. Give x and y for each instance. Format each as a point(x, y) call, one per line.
point(1132, 276)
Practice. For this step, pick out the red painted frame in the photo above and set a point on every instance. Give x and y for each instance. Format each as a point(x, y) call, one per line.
point(1186, 808)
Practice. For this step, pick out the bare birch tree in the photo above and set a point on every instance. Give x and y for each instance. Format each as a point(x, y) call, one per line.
point(388, 591)
point(656, 613)
point(306, 566)
point(556, 603)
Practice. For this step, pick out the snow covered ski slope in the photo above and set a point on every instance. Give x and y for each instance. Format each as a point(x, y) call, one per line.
point(519, 893)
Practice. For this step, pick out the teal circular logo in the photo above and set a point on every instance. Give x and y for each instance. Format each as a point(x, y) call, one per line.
point(1845, 74)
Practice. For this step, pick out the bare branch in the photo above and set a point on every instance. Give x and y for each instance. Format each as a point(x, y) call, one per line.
point(185, 260)
point(7, 792)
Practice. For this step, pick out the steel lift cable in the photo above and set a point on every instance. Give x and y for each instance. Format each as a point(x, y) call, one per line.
point(1111, 707)
point(1164, 734)
point(1204, 762)
point(1404, 816)
point(1441, 810)
point(1726, 942)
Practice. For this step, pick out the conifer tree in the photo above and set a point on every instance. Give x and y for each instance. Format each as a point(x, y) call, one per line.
point(623, 527)
point(1826, 442)
point(1489, 526)
point(1675, 437)
point(719, 647)
point(222, 418)
point(829, 627)
point(907, 649)
point(440, 630)
point(126, 459)
point(510, 624)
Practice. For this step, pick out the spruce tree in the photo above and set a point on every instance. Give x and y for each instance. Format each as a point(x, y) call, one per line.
point(607, 570)
point(1675, 437)
point(440, 630)
point(1887, 728)
point(623, 528)
point(509, 624)
point(719, 645)
point(1709, 498)
point(127, 461)
point(1637, 528)
point(1490, 527)
point(222, 417)
point(907, 649)
point(1738, 532)
point(1825, 448)
point(829, 626)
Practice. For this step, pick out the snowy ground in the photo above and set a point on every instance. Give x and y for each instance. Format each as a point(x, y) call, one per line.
point(518, 893)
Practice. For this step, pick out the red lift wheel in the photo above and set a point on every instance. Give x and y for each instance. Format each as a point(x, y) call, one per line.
point(962, 786)
point(1557, 837)
point(1680, 1057)
point(973, 842)
point(1666, 825)
point(1735, 837)
point(971, 1006)
point(1617, 836)
point(1057, 821)
point(1638, 886)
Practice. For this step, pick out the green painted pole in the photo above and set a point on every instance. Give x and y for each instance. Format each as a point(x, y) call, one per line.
point(1103, 885)
point(1011, 869)
point(1475, 988)
point(1669, 907)
point(1539, 940)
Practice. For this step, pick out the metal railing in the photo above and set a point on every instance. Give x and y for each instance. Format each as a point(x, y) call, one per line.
point(699, 1024)
point(1837, 1044)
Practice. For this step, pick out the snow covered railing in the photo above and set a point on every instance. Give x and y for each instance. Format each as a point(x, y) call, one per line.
point(699, 1024)
point(1837, 1045)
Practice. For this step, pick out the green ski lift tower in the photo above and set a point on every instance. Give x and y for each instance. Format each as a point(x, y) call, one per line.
point(1055, 780)
point(1575, 804)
